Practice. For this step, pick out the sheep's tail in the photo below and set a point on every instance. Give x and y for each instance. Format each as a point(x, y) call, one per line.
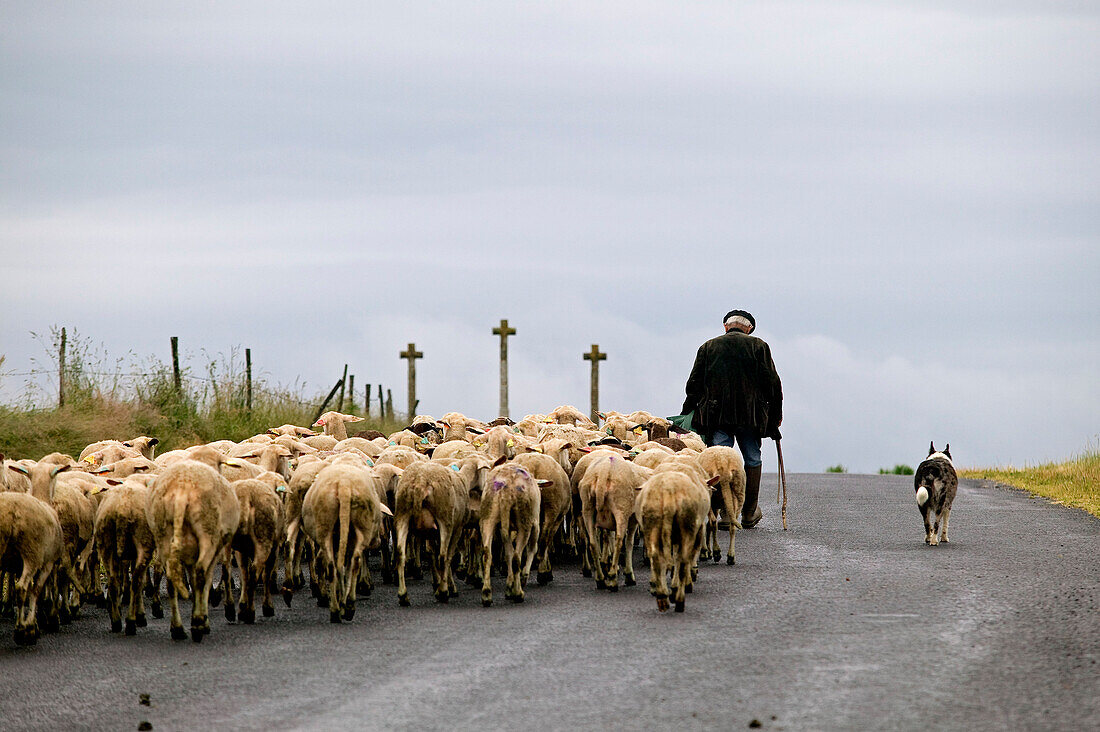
point(173, 567)
point(667, 518)
point(343, 497)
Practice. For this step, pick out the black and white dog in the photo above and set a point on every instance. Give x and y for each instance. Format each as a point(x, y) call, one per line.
point(936, 484)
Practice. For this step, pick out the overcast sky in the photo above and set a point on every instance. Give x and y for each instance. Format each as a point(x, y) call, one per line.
point(904, 194)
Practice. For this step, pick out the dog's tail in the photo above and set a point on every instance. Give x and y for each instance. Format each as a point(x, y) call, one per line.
point(922, 496)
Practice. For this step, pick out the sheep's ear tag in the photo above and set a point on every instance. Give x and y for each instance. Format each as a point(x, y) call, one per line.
point(280, 489)
point(456, 468)
point(423, 440)
point(610, 431)
point(392, 442)
point(511, 443)
point(90, 459)
point(638, 430)
point(536, 448)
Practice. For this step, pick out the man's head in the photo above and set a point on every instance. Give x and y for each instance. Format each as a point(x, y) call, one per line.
point(742, 320)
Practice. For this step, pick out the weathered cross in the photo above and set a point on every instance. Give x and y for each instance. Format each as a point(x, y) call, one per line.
point(504, 331)
point(412, 354)
point(595, 357)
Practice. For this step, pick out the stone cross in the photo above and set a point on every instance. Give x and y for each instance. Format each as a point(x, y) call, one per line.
point(504, 331)
point(595, 357)
point(412, 354)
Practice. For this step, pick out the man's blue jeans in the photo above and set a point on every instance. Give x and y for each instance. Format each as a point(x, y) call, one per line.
point(747, 440)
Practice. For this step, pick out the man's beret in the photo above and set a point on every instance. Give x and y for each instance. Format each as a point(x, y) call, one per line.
point(743, 313)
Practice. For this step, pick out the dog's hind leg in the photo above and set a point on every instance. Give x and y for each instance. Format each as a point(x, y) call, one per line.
point(943, 534)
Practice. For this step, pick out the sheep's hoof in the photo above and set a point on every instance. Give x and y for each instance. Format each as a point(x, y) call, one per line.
point(349, 612)
point(231, 612)
point(517, 599)
point(131, 627)
point(716, 556)
point(544, 578)
point(679, 606)
point(362, 588)
point(25, 636)
point(116, 626)
point(630, 581)
point(141, 621)
point(178, 633)
point(601, 585)
point(269, 611)
point(51, 624)
point(729, 560)
point(150, 590)
point(322, 601)
point(389, 578)
point(662, 603)
point(248, 616)
point(100, 600)
point(586, 571)
point(453, 593)
point(473, 580)
point(486, 601)
point(613, 587)
point(689, 589)
point(158, 610)
point(460, 573)
point(215, 596)
point(196, 634)
point(442, 596)
point(334, 616)
point(314, 589)
point(288, 595)
point(63, 616)
point(403, 600)
point(299, 582)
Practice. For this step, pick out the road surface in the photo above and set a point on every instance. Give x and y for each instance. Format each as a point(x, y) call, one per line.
point(846, 621)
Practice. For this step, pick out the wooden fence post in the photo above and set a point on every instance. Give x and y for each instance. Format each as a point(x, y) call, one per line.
point(351, 393)
point(248, 378)
point(343, 380)
point(176, 364)
point(366, 402)
point(331, 394)
point(61, 372)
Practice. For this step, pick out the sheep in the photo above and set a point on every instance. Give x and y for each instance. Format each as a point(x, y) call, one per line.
point(256, 545)
point(171, 457)
point(554, 503)
point(568, 414)
point(194, 513)
point(108, 453)
point(454, 426)
point(651, 458)
point(291, 430)
point(607, 492)
point(511, 502)
point(498, 442)
point(358, 443)
point(726, 465)
point(126, 467)
point(334, 424)
point(342, 514)
point(454, 450)
point(671, 508)
point(125, 544)
point(145, 445)
point(431, 501)
point(300, 483)
point(321, 442)
point(31, 545)
point(297, 447)
point(273, 457)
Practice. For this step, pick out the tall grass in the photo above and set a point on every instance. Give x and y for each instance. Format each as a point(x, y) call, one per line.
point(1074, 482)
point(124, 398)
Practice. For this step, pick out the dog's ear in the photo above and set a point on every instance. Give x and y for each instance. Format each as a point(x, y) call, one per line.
point(947, 450)
point(931, 447)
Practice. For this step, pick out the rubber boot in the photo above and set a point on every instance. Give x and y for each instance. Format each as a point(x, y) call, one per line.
point(750, 512)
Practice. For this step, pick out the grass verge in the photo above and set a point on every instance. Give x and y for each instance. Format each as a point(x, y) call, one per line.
point(1075, 482)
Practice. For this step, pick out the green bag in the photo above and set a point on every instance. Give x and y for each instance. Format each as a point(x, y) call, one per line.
point(683, 421)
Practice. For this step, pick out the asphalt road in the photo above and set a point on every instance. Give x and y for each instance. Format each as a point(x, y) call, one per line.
point(846, 621)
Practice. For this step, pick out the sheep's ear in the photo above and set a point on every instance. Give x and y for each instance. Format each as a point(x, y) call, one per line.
point(713, 481)
point(385, 509)
point(154, 441)
point(232, 462)
point(112, 481)
point(544, 483)
point(500, 461)
point(127, 444)
point(353, 418)
point(58, 469)
point(19, 469)
point(140, 468)
point(319, 423)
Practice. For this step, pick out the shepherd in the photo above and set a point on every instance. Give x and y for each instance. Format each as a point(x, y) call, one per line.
point(736, 395)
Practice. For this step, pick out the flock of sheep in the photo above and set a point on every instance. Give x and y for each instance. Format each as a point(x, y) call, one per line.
point(455, 494)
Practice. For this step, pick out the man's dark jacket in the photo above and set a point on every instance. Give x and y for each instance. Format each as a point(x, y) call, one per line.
point(734, 385)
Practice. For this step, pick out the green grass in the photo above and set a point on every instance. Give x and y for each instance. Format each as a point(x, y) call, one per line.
point(1074, 482)
point(836, 469)
point(104, 401)
point(896, 470)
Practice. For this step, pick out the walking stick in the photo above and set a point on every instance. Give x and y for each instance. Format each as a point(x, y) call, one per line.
point(782, 481)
